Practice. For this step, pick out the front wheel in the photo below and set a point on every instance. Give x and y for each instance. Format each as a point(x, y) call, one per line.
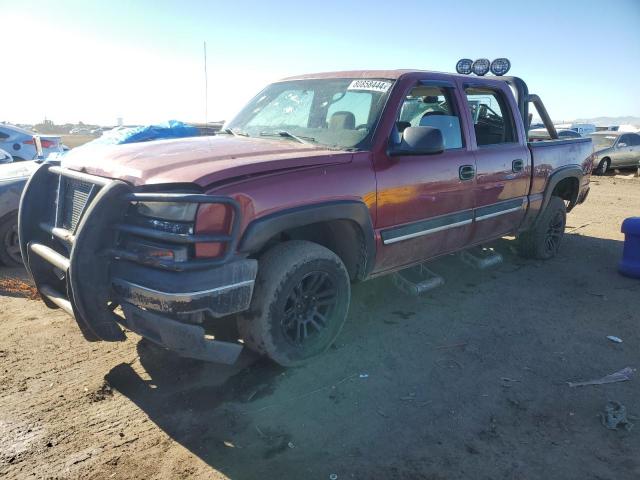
point(299, 305)
point(543, 240)
point(603, 167)
point(9, 243)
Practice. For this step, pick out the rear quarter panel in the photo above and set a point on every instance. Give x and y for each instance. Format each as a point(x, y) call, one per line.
point(550, 156)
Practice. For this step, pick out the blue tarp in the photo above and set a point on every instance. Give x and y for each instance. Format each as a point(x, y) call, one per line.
point(170, 129)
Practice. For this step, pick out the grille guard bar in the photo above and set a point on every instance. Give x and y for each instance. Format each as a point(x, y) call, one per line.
point(231, 239)
point(71, 269)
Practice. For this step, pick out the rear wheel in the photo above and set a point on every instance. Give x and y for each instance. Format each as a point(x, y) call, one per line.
point(543, 240)
point(299, 303)
point(9, 244)
point(603, 166)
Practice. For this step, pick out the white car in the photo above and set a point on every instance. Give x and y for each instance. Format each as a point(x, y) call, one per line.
point(21, 144)
point(5, 157)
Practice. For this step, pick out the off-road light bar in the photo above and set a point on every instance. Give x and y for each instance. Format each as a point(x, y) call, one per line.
point(482, 66)
point(463, 67)
point(500, 66)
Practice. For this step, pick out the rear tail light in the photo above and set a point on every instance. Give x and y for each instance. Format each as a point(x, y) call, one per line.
point(212, 218)
point(45, 143)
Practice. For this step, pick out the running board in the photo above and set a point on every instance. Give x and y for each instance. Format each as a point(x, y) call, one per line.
point(416, 280)
point(481, 257)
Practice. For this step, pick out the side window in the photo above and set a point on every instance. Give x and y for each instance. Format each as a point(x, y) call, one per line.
point(291, 108)
point(625, 139)
point(492, 118)
point(352, 102)
point(432, 107)
point(3, 135)
point(635, 140)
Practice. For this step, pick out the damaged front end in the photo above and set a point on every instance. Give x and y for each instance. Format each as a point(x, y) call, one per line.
point(90, 253)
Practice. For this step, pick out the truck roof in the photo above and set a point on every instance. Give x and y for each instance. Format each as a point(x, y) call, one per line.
point(388, 74)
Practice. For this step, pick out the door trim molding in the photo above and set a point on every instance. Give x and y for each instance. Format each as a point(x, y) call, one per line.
point(497, 209)
point(453, 220)
point(426, 227)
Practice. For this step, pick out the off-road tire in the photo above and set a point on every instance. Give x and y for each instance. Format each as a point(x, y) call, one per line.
point(282, 273)
point(603, 167)
point(9, 246)
point(543, 240)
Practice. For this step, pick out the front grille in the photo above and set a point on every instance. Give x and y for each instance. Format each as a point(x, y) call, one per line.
point(73, 197)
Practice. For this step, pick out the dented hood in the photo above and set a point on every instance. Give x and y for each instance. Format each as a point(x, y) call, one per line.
point(200, 160)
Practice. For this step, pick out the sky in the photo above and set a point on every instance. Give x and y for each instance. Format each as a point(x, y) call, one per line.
point(95, 61)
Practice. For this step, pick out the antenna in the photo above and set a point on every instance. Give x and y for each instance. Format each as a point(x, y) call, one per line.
point(206, 87)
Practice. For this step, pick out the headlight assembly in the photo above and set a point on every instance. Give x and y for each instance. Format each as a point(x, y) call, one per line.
point(172, 211)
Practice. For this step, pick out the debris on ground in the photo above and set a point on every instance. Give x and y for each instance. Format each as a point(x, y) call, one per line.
point(333, 476)
point(364, 375)
point(105, 391)
point(16, 287)
point(619, 376)
point(614, 339)
point(614, 416)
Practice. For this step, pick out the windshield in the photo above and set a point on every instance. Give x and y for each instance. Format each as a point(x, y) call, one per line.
point(600, 142)
point(335, 112)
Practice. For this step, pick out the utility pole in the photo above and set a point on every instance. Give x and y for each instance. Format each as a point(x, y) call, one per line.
point(206, 87)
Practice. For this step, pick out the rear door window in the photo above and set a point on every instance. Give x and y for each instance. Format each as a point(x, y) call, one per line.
point(492, 119)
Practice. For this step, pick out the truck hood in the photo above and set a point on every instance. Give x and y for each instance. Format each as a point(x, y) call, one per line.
point(200, 160)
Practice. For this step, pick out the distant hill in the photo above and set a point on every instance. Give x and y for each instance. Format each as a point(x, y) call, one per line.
point(609, 121)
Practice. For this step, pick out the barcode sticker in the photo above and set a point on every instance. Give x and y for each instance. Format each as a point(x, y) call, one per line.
point(370, 85)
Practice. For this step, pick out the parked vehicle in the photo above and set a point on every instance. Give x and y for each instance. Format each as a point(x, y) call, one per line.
point(5, 157)
point(615, 150)
point(80, 131)
point(583, 128)
point(21, 145)
point(13, 178)
point(539, 134)
point(320, 181)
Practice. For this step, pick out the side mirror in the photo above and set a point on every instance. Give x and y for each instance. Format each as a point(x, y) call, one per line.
point(622, 145)
point(419, 141)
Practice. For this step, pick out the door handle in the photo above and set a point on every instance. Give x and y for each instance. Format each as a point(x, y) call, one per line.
point(517, 165)
point(467, 172)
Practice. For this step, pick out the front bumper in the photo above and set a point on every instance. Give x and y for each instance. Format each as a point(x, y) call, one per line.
point(84, 270)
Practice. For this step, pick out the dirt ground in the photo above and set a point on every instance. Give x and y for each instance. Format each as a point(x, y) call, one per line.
point(468, 382)
point(73, 141)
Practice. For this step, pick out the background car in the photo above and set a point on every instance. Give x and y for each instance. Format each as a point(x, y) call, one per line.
point(538, 134)
point(5, 157)
point(615, 150)
point(13, 178)
point(20, 144)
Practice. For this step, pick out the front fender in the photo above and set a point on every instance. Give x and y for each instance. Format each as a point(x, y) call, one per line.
point(261, 230)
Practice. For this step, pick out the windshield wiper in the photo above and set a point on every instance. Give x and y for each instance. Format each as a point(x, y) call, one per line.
point(285, 134)
point(235, 133)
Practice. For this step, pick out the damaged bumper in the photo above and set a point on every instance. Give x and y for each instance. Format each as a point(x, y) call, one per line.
point(72, 230)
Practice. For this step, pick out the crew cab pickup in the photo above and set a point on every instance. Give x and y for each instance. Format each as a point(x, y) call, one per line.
point(320, 181)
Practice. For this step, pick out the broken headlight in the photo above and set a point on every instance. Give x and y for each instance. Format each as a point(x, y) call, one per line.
point(171, 211)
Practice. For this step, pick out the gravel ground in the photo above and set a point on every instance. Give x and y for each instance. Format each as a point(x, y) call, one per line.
point(469, 381)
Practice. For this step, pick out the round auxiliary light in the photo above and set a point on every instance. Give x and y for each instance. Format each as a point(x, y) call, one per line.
point(500, 66)
point(463, 67)
point(480, 67)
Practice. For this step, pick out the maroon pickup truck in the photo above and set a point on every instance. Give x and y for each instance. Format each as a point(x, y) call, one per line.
point(320, 181)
